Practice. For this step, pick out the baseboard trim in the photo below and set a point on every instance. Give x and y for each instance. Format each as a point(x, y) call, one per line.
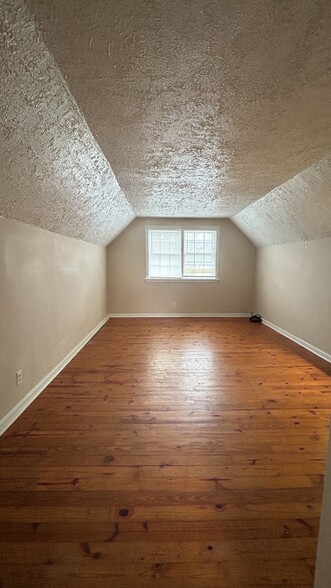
point(180, 314)
point(299, 341)
point(20, 407)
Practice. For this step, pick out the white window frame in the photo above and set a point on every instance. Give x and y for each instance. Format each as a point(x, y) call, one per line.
point(183, 229)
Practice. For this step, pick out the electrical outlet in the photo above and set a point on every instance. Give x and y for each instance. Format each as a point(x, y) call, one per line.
point(174, 304)
point(306, 244)
point(19, 377)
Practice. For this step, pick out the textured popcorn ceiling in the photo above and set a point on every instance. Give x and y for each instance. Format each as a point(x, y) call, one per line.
point(200, 107)
point(53, 174)
point(298, 210)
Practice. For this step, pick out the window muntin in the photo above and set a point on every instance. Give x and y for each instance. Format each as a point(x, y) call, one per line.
point(182, 254)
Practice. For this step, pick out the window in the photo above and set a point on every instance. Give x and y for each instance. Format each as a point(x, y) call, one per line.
point(182, 254)
point(164, 254)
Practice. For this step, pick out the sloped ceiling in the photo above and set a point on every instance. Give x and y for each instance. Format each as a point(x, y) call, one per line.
point(201, 108)
point(298, 210)
point(53, 173)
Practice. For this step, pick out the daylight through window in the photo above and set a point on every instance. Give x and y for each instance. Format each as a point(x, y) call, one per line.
point(182, 254)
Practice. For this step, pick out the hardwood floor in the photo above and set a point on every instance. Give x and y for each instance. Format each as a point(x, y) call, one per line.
point(180, 453)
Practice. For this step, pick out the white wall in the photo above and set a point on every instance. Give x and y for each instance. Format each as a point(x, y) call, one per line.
point(293, 289)
point(52, 294)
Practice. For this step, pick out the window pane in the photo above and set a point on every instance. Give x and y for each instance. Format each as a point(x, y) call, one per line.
point(174, 248)
point(164, 253)
point(200, 254)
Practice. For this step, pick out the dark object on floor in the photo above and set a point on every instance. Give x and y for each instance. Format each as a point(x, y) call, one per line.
point(255, 318)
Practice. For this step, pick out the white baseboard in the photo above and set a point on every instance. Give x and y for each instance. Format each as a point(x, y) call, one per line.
point(299, 341)
point(181, 314)
point(20, 407)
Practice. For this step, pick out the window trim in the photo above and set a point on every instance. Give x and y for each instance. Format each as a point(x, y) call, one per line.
point(182, 229)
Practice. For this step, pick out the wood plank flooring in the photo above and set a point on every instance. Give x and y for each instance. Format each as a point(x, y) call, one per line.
point(177, 453)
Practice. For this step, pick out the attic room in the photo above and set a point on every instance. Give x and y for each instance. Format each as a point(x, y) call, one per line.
point(165, 173)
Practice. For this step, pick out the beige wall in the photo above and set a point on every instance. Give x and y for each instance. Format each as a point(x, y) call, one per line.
point(52, 294)
point(293, 289)
point(129, 292)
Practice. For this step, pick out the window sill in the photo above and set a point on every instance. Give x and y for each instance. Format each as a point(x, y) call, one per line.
point(182, 279)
